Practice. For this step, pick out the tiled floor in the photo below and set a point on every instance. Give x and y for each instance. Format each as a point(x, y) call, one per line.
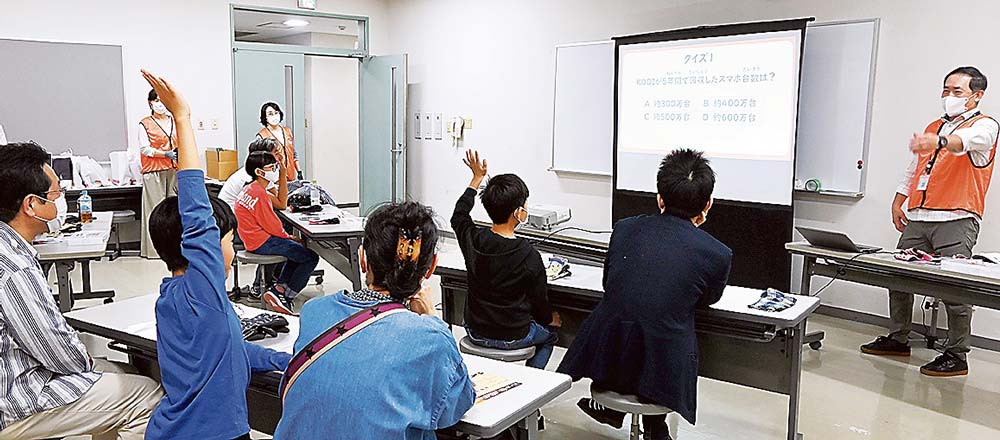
point(845, 395)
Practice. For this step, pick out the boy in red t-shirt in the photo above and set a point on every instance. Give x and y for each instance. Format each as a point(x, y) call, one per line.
point(262, 232)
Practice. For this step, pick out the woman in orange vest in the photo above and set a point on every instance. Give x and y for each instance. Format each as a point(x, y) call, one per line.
point(271, 117)
point(158, 156)
point(946, 185)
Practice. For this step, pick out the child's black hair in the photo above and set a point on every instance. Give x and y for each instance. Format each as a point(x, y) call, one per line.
point(165, 222)
point(502, 196)
point(685, 182)
point(261, 144)
point(257, 160)
point(383, 230)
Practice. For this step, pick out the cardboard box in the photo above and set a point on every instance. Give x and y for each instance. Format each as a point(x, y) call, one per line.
point(220, 163)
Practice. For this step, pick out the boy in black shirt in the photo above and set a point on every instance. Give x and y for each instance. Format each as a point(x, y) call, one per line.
point(508, 306)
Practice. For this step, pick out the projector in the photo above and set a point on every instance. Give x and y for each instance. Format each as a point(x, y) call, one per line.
point(546, 216)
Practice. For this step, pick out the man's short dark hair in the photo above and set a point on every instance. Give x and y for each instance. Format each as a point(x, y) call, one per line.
point(261, 144)
point(503, 195)
point(685, 182)
point(977, 80)
point(22, 175)
point(258, 159)
point(166, 221)
point(263, 112)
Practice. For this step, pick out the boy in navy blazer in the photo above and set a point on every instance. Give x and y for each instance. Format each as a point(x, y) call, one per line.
point(640, 340)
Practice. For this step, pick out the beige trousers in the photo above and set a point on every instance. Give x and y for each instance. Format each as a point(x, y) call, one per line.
point(156, 186)
point(118, 406)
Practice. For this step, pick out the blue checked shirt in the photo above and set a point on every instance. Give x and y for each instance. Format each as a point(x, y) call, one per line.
point(43, 363)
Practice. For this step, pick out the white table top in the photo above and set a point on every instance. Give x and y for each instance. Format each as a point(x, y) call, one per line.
point(137, 316)
point(734, 303)
point(350, 224)
point(90, 242)
point(949, 270)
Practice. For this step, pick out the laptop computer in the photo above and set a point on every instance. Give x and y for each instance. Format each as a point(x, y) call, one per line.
point(834, 240)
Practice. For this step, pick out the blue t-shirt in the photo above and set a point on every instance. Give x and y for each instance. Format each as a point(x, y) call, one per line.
point(204, 362)
point(399, 378)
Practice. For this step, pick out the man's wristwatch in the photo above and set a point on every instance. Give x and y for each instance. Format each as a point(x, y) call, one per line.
point(942, 141)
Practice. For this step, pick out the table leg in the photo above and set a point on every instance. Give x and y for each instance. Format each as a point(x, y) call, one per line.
point(353, 244)
point(527, 428)
point(65, 288)
point(807, 265)
point(795, 362)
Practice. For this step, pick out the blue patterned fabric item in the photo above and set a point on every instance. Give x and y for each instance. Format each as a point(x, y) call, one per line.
point(773, 301)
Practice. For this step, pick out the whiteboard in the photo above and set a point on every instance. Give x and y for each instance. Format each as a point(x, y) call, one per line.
point(834, 106)
point(64, 96)
point(583, 108)
point(838, 70)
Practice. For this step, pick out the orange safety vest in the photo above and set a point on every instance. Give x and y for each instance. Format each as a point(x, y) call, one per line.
point(160, 140)
point(955, 182)
point(292, 165)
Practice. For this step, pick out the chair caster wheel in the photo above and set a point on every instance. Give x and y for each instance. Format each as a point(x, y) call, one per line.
point(109, 300)
point(319, 280)
point(815, 345)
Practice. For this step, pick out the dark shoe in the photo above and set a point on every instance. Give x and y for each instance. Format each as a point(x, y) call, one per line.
point(946, 365)
point(886, 346)
point(647, 436)
point(277, 302)
point(601, 414)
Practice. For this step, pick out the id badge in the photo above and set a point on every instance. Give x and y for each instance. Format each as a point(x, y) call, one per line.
point(922, 182)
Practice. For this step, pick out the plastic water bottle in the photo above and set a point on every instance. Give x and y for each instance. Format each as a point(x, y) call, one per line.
point(314, 194)
point(86, 207)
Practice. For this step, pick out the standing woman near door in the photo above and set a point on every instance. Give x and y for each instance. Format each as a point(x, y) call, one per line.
point(271, 117)
point(158, 156)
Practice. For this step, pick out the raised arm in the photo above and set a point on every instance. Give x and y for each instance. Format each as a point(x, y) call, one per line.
point(461, 219)
point(200, 241)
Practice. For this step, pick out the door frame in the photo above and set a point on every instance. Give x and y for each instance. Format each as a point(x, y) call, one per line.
point(363, 35)
point(235, 46)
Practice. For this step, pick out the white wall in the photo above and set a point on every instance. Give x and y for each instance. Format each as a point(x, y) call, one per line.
point(332, 114)
point(493, 61)
point(197, 59)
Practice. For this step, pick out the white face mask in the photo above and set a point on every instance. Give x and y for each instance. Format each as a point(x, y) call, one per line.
point(953, 105)
point(55, 224)
point(274, 119)
point(519, 221)
point(271, 176)
point(159, 108)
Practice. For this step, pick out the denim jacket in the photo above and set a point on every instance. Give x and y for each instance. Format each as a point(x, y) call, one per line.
point(400, 378)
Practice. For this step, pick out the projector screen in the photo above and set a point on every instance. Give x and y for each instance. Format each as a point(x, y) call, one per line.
point(733, 97)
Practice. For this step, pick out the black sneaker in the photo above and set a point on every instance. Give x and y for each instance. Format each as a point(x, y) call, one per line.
point(886, 346)
point(601, 413)
point(946, 365)
point(277, 302)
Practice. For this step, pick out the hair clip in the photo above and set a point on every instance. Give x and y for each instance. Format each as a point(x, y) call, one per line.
point(408, 247)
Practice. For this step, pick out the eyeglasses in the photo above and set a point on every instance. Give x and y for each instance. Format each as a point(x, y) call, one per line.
point(60, 191)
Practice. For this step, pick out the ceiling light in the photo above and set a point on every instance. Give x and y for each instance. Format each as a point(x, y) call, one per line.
point(294, 22)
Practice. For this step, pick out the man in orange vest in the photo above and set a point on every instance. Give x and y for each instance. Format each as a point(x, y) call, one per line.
point(946, 185)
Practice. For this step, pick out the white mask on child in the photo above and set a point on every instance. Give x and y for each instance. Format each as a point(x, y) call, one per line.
point(271, 176)
point(274, 119)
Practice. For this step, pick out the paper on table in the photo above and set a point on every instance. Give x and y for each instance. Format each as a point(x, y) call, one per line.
point(489, 385)
point(971, 267)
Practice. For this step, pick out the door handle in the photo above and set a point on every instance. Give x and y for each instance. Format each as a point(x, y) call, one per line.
point(395, 143)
